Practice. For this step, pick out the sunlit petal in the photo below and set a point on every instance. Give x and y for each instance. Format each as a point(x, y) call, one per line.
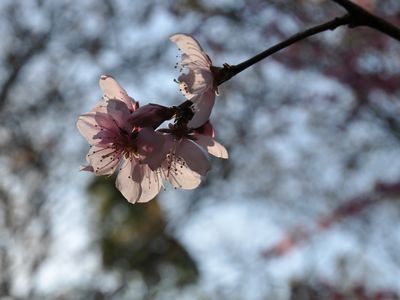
point(129, 188)
point(211, 145)
point(150, 185)
point(194, 156)
point(203, 105)
point(104, 160)
point(112, 90)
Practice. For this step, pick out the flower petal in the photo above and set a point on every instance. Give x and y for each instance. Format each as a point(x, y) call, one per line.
point(129, 188)
point(194, 156)
point(180, 175)
point(151, 184)
point(88, 127)
point(112, 90)
point(211, 145)
point(203, 105)
point(105, 121)
point(104, 160)
point(192, 50)
point(120, 113)
point(150, 147)
point(195, 82)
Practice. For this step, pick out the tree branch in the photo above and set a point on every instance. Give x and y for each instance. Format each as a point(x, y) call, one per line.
point(37, 44)
point(356, 16)
point(361, 17)
point(227, 72)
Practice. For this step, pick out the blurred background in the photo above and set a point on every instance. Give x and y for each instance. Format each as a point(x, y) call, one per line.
point(307, 206)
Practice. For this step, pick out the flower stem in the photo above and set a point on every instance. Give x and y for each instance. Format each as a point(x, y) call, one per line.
point(227, 72)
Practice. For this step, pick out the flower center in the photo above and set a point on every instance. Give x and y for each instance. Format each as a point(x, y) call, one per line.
point(131, 146)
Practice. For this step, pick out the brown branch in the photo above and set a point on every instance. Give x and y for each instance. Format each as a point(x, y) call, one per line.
point(227, 72)
point(356, 16)
point(361, 17)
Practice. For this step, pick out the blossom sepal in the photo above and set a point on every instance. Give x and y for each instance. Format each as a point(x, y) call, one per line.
point(151, 115)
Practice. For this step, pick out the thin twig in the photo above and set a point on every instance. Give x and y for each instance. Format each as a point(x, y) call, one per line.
point(227, 72)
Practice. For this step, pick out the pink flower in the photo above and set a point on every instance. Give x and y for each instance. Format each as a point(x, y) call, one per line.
point(197, 84)
point(117, 143)
point(122, 137)
point(186, 156)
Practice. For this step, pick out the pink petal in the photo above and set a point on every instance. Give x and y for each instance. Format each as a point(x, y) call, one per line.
point(100, 106)
point(203, 106)
point(212, 146)
point(88, 127)
point(104, 160)
point(129, 188)
point(151, 146)
point(105, 121)
point(194, 156)
point(191, 48)
point(87, 124)
point(175, 169)
point(180, 175)
point(120, 113)
point(112, 90)
point(105, 137)
point(151, 184)
point(195, 82)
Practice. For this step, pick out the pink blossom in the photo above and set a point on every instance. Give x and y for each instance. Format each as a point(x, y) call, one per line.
point(122, 137)
point(197, 83)
point(117, 143)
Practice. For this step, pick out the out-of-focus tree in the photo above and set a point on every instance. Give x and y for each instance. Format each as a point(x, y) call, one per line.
point(135, 238)
point(319, 118)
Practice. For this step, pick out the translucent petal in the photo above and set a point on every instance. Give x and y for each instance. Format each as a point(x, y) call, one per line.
point(203, 105)
point(105, 121)
point(211, 145)
point(88, 127)
point(151, 184)
point(129, 188)
point(104, 160)
point(112, 90)
point(191, 48)
point(194, 156)
point(120, 113)
point(195, 82)
point(151, 147)
point(180, 175)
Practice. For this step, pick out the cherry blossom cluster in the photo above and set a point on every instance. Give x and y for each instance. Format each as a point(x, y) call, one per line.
point(135, 140)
